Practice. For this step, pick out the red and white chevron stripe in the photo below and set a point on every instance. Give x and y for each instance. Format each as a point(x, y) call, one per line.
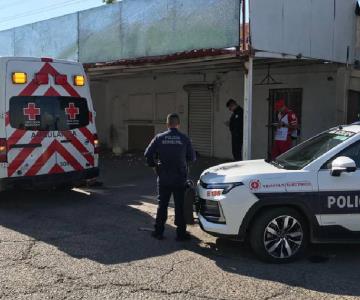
point(53, 156)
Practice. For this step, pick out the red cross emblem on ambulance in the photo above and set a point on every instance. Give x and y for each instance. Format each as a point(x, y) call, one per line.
point(31, 111)
point(72, 111)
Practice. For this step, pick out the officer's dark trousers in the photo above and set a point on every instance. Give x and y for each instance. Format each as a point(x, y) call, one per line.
point(165, 193)
point(237, 144)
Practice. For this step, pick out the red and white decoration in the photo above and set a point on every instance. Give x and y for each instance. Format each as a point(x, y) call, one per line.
point(31, 111)
point(53, 156)
point(72, 111)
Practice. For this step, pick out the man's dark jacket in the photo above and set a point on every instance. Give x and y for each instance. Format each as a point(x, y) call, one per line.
point(237, 123)
point(173, 150)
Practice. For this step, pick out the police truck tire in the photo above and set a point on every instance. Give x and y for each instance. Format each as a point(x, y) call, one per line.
point(279, 235)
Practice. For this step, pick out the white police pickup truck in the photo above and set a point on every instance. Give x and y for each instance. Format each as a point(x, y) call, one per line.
point(309, 194)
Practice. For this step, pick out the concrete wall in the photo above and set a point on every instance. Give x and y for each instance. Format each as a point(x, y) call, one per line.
point(318, 103)
point(321, 29)
point(98, 93)
point(128, 29)
point(319, 84)
point(56, 37)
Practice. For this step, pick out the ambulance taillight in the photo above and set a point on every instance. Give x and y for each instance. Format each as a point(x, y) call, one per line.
point(3, 150)
point(96, 144)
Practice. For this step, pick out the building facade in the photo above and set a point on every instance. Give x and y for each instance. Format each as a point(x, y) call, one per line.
point(146, 59)
point(135, 108)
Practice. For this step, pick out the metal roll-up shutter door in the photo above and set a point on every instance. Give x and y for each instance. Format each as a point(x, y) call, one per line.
point(201, 119)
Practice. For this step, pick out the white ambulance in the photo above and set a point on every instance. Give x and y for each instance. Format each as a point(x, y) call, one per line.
point(309, 194)
point(47, 128)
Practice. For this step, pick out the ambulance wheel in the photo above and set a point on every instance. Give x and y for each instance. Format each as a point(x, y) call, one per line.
point(279, 235)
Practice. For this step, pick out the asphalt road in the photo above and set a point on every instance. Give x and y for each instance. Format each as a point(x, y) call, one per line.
point(95, 244)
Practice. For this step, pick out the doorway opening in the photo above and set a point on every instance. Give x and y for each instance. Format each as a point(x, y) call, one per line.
point(201, 118)
point(293, 100)
point(353, 107)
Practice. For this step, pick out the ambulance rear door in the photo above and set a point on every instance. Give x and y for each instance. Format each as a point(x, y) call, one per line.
point(75, 148)
point(28, 138)
point(50, 126)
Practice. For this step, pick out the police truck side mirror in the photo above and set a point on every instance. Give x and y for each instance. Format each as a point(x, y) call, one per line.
point(342, 164)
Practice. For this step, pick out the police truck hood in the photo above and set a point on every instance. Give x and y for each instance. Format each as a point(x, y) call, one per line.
point(239, 171)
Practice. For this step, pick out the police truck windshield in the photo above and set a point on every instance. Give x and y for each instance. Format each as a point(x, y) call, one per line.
point(305, 153)
point(48, 113)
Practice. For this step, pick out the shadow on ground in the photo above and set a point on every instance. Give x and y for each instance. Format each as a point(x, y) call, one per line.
point(106, 226)
point(329, 269)
point(92, 226)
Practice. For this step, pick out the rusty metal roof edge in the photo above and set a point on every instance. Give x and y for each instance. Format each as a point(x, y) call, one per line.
point(179, 56)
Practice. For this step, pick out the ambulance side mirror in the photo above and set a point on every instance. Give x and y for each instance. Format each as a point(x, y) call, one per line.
point(342, 164)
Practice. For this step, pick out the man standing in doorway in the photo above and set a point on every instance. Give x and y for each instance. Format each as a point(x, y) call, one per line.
point(236, 126)
point(286, 126)
point(168, 153)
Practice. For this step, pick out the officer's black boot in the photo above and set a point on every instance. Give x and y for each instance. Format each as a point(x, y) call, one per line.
point(182, 235)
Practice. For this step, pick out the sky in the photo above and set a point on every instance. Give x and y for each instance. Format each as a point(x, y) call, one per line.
point(20, 12)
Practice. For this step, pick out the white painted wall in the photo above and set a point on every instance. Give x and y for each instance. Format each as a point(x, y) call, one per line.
point(320, 97)
point(319, 101)
point(321, 29)
point(99, 96)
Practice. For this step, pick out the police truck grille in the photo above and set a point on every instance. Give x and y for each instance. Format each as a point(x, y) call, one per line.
point(210, 210)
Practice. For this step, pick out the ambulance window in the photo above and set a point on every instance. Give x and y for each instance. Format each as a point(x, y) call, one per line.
point(43, 113)
point(353, 152)
point(74, 113)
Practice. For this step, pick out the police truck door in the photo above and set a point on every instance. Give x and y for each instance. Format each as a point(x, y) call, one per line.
point(340, 195)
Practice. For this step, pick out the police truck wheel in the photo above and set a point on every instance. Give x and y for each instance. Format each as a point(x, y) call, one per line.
point(279, 235)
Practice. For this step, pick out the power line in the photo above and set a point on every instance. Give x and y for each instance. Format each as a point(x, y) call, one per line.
point(42, 10)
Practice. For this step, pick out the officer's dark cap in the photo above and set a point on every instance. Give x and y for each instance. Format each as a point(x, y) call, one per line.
point(173, 119)
point(230, 102)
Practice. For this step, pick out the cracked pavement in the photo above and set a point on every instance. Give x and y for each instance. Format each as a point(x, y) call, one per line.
point(95, 244)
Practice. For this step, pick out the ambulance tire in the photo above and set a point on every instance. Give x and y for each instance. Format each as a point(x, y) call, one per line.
point(279, 235)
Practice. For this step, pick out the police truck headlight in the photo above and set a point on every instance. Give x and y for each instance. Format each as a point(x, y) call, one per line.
point(225, 187)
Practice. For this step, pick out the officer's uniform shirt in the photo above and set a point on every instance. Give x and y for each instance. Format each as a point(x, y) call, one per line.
point(287, 118)
point(237, 122)
point(173, 150)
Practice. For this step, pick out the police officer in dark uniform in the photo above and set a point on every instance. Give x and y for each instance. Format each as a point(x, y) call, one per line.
point(168, 153)
point(236, 126)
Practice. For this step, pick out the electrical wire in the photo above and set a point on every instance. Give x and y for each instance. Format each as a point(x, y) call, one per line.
point(40, 11)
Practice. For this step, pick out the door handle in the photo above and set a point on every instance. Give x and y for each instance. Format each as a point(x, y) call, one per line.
point(25, 146)
point(65, 141)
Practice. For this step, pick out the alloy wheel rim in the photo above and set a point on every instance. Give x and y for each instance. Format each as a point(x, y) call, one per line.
point(283, 237)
